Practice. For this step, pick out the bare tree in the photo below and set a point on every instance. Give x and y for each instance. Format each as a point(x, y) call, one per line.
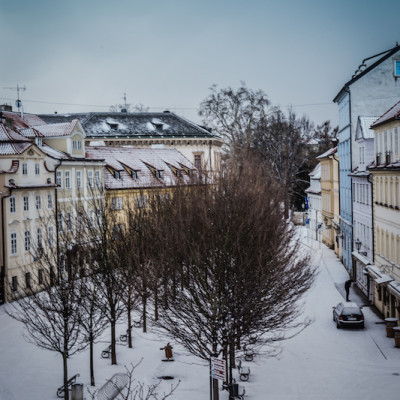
point(242, 273)
point(283, 141)
point(51, 312)
point(234, 114)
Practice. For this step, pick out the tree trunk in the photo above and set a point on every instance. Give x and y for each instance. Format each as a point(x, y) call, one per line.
point(113, 339)
point(92, 383)
point(156, 303)
point(215, 389)
point(129, 332)
point(144, 304)
point(65, 368)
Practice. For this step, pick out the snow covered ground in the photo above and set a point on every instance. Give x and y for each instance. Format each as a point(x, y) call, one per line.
point(320, 363)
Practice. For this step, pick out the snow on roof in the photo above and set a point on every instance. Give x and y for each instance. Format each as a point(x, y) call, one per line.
point(7, 134)
point(316, 172)
point(364, 124)
point(25, 122)
point(143, 124)
point(141, 160)
point(14, 148)
point(390, 115)
point(328, 153)
point(50, 130)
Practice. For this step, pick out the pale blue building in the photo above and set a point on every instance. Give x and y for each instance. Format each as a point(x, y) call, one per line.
point(373, 89)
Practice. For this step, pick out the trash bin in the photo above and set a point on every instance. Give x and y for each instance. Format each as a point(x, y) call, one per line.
point(234, 390)
point(77, 391)
point(390, 324)
point(396, 331)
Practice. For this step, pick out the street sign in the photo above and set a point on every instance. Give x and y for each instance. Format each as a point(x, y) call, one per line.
point(218, 369)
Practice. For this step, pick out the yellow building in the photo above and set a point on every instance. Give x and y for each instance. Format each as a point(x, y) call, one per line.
point(385, 274)
point(131, 175)
point(330, 199)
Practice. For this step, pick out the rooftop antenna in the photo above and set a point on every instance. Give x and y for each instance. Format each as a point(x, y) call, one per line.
point(18, 102)
point(125, 106)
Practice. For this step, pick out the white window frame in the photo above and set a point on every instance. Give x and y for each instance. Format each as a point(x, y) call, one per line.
point(59, 179)
point(49, 200)
point(90, 179)
point(37, 169)
point(24, 169)
point(38, 202)
point(26, 203)
point(13, 242)
point(78, 179)
point(13, 206)
point(98, 180)
point(67, 179)
point(27, 240)
point(51, 236)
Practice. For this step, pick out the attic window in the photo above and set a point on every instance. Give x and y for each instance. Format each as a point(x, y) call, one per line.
point(39, 141)
point(396, 67)
point(131, 172)
point(116, 174)
point(113, 125)
point(157, 174)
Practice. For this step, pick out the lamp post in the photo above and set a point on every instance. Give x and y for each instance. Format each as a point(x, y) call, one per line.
point(358, 247)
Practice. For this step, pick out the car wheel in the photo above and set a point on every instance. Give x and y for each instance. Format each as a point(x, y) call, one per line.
point(362, 326)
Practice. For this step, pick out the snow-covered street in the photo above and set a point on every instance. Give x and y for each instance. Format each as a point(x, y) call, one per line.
point(322, 362)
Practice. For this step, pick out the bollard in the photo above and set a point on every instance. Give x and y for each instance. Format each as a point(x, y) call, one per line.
point(77, 391)
point(396, 331)
point(390, 324)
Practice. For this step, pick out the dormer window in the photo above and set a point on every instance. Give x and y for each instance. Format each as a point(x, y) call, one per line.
point(116, 174)
point(157, 174)
point(112, 125)
point(76, 145)
point(133, 174)
point(39, 141)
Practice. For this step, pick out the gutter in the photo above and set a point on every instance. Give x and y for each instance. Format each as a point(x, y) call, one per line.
point(3, 243)
point(372, 214)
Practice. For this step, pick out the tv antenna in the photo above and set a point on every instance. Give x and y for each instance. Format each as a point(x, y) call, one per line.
point(18, 88)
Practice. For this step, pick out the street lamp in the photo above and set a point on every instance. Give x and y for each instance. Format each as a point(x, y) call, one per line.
point(358, 247)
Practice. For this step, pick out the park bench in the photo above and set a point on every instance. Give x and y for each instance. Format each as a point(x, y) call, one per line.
point(244, 372)
point(70, 382)
point(138, 323)
point(240, 394)
point(124, 336)
point(106, 352)
point(248, 354)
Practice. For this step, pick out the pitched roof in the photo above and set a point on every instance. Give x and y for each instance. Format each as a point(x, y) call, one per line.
point(365, 127)
point(25, 122)
point(7, 149)
point(7, 135)
point(142, 160)
point(385, 55)
point(50, 130)
point(390, 115)
point(328, 153)
point(139, 125)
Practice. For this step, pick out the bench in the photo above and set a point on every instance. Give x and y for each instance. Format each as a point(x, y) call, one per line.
point(139, 323)
point(236, 391)
point(106, 352)
point(70, 382)
point(248, 354)
point(244, 372)
point(240, 394)
point(124, 336)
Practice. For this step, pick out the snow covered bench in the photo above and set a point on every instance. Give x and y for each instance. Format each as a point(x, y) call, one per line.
point(106, 352)
point(244, 372)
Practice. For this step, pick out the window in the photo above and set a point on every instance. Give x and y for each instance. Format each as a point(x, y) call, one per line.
point(117, 175)
point(396, 141)
point(13, 243)
point(37, 169)
point(98, 180)
point(40, 276)
point(116, 203)
point(24, 169)
point(397, 68)
point(38, 202)
point(26, 203)
point(49, 200)
point(77, 145)
point(59, 179)
point(141, 201)
point(12, 205)
point(27, 241)
point(78, 179)
point(39, 239)
point(68, 221)
point(51, 236)
point(39, 141)
point(60, 225)
point(14, 283)
point(90, 179)
point(28, 280)
point(67, 180)
point(197, 161)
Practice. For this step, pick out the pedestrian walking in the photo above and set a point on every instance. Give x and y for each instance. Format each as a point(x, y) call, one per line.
point(347, 288)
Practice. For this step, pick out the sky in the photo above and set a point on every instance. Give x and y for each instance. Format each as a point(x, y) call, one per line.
point(82, 56)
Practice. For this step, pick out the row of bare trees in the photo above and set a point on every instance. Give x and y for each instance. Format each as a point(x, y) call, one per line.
point(211, 264)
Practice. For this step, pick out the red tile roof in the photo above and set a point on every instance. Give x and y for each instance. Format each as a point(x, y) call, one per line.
point(390, 115)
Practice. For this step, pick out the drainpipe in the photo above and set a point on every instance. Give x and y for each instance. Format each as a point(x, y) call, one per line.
point(372, 215)
point(56, 217)
point(3, 267)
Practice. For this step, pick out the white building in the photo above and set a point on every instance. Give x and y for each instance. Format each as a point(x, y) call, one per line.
point(362, 204)
point(314, 203)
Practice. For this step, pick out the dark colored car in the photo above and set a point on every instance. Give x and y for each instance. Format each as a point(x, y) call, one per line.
point(348, 314)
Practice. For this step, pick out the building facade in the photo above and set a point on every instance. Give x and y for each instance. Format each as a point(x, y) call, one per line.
point(314, 203)
point(370, 92)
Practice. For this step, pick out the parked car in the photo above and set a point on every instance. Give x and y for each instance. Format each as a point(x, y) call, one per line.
point(348, 314)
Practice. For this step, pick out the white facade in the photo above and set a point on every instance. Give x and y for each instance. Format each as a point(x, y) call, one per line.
point(314, 203)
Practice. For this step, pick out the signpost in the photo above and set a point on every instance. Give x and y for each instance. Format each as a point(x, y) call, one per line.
point(218, 369)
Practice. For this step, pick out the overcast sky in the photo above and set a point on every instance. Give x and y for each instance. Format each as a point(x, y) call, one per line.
point(83, 55)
